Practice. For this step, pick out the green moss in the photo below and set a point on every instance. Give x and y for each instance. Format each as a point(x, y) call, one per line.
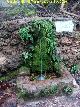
point(9, 76)
point(24, 70)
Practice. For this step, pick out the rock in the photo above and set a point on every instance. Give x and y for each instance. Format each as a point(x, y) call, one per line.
point(74, 49)
point(78, 56)
point(4, 34)
point(12, 26)
point(24, 82)
point(53, 7)
point(65, 49)
point(10, 102)
point(7, 52)
point(65, 57)
point(1, 48)
point(7, 40)
point(3, 44)
point(58, 50)
point(2, 60)
point(32, 89)
point(24, 70)
point(66, 41)
point(75, 84)
point(14, 42)
point(13, 63)
point(78, 80)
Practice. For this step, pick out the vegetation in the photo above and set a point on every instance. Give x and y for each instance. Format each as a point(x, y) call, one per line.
point(45, 92)
point(37, 1)
point(49, 91)
point(74, 69)
point(68, 90)
point(21, 93)
point(13, 74)
point(23, 10)
point(40, 54)
point(9, 76)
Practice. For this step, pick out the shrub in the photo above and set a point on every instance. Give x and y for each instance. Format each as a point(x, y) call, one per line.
point(67, 90)
point(49, 91)
point(22, 94)
point(74, 69)
point(41, 46)
point(54, 89)
point(24, 34)
point(10, 75)
point(44, 92)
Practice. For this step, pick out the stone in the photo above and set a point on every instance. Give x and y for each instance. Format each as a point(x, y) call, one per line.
point(12, 26)
point(13, 62)
point(65, 57)
point(36, 86)
point(1, 48)
point(65, 49)
point(58, 50)
point(2, 59)
point(7, 52)
point(10, 102)
point(4, 34)
point(66, 41)
point(24, 70)
point(74, 49)
point(78, 56)
point(3, 43)
point(75, 84)
point(14, 42)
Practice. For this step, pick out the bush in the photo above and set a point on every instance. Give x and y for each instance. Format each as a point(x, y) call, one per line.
point(21, 93)
point(49, 91)
point(41, 46)
point(74, 69)
point(54, 89)
point(67, 90)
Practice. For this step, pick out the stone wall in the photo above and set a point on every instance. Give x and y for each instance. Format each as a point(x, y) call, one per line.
point(11, 47)
point(69, 48)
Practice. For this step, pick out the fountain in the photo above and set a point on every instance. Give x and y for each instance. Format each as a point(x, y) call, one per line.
point(41, 76)
point(41, 57)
